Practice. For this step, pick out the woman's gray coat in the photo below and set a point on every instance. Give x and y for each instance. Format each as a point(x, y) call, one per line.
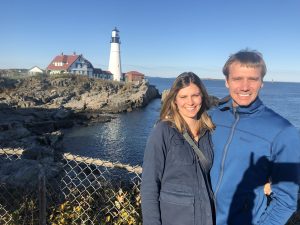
point(174, 188)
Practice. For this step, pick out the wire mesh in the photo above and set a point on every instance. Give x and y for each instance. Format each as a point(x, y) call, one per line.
point(84, 191)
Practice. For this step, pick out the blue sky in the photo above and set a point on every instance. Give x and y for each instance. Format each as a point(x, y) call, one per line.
point(158, 37)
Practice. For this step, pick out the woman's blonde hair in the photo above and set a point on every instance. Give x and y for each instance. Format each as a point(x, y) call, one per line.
point(169, 111)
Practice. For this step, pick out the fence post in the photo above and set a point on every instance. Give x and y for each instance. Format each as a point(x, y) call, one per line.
point(42, 196)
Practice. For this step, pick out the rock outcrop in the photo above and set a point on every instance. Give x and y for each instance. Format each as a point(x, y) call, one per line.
point(34, 110)
point(75, 92)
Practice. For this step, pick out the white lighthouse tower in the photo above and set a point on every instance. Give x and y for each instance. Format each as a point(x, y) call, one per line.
point(115, 58)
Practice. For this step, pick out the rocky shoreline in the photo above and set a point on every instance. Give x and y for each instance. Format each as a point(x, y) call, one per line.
point(34, 110)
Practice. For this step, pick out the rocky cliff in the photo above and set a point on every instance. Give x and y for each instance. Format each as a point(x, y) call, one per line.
point(75, 92)
point(34, 110)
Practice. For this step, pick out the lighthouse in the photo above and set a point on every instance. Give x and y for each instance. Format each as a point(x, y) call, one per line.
point(114, 65)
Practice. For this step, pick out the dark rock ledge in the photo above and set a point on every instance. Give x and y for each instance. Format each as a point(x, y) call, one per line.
point(34, 110)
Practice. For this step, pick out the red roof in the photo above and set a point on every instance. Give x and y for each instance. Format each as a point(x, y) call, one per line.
point(66, 60)
point(134, 73)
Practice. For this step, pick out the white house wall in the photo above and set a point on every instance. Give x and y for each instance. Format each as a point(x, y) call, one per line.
point(35, 70)
point(81, 70)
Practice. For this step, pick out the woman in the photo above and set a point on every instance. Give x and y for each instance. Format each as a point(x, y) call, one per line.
point(176, 188)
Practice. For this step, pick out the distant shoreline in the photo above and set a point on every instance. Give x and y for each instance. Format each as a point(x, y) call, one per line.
point(203, 78)
point(206, 78)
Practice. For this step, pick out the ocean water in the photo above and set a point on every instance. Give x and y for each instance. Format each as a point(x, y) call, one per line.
point(124, 138)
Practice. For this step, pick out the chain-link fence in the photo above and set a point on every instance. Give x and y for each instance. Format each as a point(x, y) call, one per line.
point(72, 190)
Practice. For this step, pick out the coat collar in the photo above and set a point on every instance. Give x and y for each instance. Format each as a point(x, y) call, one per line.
point(226, 104)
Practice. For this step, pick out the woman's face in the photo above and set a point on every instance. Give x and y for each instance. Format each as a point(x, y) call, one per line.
point(189, 101)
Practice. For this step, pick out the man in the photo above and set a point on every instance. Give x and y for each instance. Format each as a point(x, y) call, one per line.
point(253, 145)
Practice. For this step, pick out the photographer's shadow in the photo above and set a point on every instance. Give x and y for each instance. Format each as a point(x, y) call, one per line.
point(242, 204)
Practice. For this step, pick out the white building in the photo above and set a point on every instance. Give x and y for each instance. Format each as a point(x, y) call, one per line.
point(115, 58)
point(74, 64)
point(35, 70)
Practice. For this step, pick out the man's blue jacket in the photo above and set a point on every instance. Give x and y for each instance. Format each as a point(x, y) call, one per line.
point(253, 145)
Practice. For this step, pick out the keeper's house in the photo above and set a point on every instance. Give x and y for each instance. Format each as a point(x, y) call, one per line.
point(74, 64)
point(102, 74)
point(134, 76)
point(35, 71)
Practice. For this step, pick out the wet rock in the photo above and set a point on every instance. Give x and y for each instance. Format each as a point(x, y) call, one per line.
point(34, 110)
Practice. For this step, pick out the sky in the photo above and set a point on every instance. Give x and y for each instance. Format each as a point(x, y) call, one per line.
point(161, 38)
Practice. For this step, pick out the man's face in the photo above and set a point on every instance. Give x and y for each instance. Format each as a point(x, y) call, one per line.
point(243, 83)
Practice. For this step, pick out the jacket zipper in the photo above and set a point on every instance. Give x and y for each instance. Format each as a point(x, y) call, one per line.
point(225, 151)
